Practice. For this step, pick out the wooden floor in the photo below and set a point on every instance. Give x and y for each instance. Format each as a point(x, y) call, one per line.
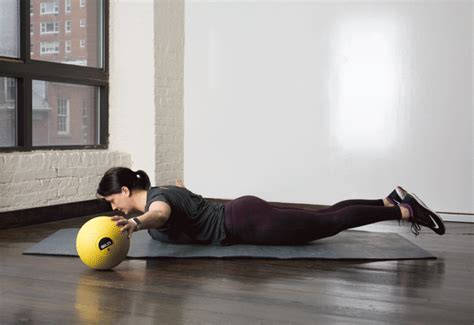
point(61, 290)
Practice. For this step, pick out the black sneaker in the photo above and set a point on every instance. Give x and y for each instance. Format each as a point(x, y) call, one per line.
point(420, 214)
point(397, 195)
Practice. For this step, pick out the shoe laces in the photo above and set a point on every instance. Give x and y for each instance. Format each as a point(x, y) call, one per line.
point(415, 228)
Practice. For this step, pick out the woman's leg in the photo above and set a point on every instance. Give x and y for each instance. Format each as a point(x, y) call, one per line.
point(343, 204)
point(349, 203)
point(254, 221)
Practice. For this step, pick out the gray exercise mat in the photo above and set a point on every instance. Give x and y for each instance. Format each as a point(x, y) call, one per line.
point(351, 244)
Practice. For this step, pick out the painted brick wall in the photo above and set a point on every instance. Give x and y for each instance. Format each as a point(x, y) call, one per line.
point(44, 178)
point(169, 70)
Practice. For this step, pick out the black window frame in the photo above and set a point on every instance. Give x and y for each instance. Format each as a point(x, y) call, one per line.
point(25, 70)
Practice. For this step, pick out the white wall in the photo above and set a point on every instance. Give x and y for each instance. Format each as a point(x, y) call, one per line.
point(319, 101)
point(132, 87)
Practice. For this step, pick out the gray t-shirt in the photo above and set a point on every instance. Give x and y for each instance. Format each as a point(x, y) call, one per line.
point(193, 219)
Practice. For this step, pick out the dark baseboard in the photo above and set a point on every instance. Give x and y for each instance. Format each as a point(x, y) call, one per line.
point(18, 218)
point(312, 207)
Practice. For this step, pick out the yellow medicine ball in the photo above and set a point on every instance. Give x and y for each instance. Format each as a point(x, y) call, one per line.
point(100, 243)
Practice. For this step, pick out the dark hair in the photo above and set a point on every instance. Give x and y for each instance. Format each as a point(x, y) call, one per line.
point(116, 177)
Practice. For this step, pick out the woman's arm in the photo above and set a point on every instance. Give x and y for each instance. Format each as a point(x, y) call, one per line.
point(155, 217)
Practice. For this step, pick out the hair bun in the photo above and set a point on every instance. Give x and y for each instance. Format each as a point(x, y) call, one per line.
point(117, 177)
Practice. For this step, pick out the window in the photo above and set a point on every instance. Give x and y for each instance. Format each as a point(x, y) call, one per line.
point(53, 97)
point(10, 89)
point(58, 27)
point(83, 3)
point(67, 6)
point(85, 121)
point(50, 27)
point(49, 47)
point(58, 113)
point(8, 112)
point(51, 7)
point(9, 28)
point(63, 116)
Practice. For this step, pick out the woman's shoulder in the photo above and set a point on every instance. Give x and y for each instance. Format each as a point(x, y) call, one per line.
point(163, 188)
point(179, 185)
point(154, 192)
point(168, 190)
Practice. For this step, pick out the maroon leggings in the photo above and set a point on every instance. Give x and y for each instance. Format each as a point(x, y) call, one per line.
point(251, 220)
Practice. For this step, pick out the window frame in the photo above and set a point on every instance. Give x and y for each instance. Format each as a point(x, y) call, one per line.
point(44, 27)
point(51, 45)
point(67, 6)
point(55, 5)
point(8, 98)
point(67, 44)
point(25, 70)
point(64, 114)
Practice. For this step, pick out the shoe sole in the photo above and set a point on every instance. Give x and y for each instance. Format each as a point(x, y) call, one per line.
point(439, 223)
point(401, 197)
point(401, 188)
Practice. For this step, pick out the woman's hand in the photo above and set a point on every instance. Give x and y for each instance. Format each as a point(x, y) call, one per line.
point(125, 224)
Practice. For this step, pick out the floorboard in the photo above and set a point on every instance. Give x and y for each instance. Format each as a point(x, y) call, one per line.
point(61, 290)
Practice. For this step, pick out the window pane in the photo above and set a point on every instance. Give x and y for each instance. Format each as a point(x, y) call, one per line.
point(9, 28)
point(7, 112)
point(64, 114)
point(67, 22)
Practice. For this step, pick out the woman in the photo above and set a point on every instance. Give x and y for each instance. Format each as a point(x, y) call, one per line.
point(174, 214)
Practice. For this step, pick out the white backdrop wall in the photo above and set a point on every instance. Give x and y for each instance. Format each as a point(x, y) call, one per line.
point(319, 101)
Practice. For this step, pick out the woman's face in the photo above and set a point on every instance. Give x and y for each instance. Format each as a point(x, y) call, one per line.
point(121, 201)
